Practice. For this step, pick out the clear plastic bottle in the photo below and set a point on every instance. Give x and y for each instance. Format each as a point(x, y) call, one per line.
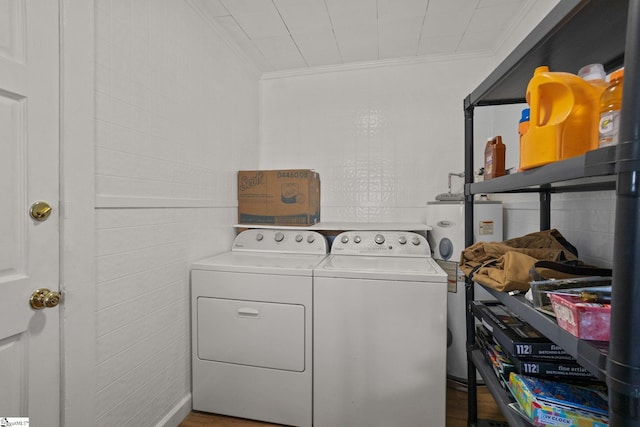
point(595, 75)
point(610, 106)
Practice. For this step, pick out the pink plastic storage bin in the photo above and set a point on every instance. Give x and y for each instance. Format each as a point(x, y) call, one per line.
point(585, 320)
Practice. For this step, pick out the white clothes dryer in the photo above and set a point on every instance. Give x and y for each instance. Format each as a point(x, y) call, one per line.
point(379, 333)
point(252, 327)
point(447, 239)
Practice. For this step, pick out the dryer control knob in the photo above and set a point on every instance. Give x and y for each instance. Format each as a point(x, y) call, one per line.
point(259, 237)
point(345, 239)
point(311, 238)
point(402, 240)
point(357, 239)
point(415, 241)
point(299, 238)
point(379, 239)
point(279, 237)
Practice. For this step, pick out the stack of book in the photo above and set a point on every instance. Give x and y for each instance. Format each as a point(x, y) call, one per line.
point(512, 345)
point(527, 363)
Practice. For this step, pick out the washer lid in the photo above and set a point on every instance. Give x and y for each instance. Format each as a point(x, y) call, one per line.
point(261, 262)
point(381, 268)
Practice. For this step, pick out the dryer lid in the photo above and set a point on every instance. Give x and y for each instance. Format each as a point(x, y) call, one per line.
point(260, 262)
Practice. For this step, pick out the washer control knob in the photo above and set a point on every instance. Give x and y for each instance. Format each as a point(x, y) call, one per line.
point(402, 240)
point(259, 237)
point(311, 238)
point(299, 238)
point(379, 239)
point(415, 241)
point(279, 237)
point(345, 239)
point(357, 239)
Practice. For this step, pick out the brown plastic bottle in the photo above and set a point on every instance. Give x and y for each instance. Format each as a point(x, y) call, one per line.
point(494, 153)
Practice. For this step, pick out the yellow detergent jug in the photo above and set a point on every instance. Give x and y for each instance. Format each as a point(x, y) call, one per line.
point(564, 118)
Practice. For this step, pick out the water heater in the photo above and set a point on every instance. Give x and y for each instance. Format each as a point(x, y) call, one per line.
point(446, 239)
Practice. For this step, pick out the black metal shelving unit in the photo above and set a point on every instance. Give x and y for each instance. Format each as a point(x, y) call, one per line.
point(575, 33)
point(500, 395)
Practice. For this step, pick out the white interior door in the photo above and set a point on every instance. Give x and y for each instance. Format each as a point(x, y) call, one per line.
point(29, 252)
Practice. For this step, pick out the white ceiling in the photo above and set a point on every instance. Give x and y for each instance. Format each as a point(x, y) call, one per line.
point(297, 34)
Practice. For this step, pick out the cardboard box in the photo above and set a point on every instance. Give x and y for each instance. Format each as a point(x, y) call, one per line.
point(279, 197)
point(585, 320)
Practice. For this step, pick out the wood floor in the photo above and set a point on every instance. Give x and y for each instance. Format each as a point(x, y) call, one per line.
point(456, 413)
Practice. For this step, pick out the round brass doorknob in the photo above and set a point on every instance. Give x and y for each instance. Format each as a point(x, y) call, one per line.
point(43, 298)
point(40, 211)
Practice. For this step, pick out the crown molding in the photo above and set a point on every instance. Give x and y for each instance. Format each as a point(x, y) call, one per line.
point(396, 62)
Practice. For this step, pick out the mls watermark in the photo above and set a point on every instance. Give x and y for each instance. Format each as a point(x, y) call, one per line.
point(14, 421)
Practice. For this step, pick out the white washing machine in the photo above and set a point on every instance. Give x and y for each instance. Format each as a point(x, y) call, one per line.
point(379, 333)
point(252, 327)
point(447, 240)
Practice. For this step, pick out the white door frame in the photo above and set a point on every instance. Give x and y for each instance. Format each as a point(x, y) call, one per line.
point(77, 208)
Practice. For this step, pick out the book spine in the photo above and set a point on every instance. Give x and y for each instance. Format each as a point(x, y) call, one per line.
point(551, 369)
point(510, 342)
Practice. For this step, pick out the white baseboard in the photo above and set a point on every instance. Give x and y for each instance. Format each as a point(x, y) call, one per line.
point(178, 413)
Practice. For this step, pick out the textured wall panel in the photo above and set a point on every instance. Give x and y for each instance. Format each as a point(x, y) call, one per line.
point(176, 117)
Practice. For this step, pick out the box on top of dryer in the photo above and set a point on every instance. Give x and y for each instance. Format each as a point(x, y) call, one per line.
point(279, 197)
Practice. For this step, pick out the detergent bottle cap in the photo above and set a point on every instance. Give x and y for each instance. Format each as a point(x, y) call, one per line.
point(592, 72)
point(541, 69)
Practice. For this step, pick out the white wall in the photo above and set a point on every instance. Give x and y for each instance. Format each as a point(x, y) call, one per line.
point(532, 13)
point(383, 138)
point(176, 117)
